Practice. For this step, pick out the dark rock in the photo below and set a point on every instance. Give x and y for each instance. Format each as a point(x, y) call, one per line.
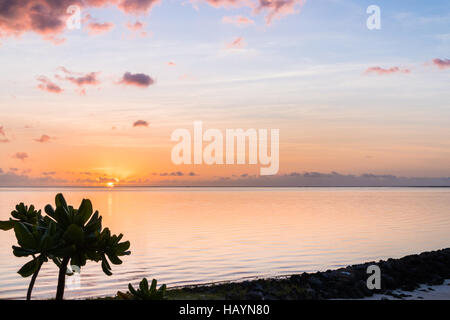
point(255, 295)
point(409, 286)
point(315, 282)
point(437, 280)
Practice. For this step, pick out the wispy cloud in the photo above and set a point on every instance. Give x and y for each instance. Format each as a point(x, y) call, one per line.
point(46, 84)
point(238, 20)
point(273, 9)
point(385, 71)
point(12, 178)
point(87, 79)
point(237, 43)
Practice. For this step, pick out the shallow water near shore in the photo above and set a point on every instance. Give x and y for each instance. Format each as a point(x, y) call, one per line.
point(198, 235)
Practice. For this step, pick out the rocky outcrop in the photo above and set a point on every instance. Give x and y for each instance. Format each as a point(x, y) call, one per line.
point(406, 273)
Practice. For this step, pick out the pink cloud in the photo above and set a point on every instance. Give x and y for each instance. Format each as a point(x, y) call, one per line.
point(4, 140)
point(441, 63)
point(137, 6)
point(44, 138)
point(2, 132)
point(48, 17)
point(273, 9)
point(95, 28)
point(20, 156)
point(137, 79)
point(278, 8)
point(237, 43)
point(383, 71)
point(80, 79)
point(141, 123)
point(171, 64)
point(46, 85)
point(225, 3)
point(238, 20)
point(135, 26)
point(65, 70)
point(43, 17)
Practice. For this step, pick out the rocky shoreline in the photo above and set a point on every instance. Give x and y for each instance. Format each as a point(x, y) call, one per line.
point(406, 274)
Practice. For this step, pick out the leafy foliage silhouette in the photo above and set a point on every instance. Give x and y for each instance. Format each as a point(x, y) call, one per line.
point(65, 235)
point(144, 292)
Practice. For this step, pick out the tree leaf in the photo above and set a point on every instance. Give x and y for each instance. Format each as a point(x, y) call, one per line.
point(29, 268)
point(7, 225)
point(74, 234)
point(84, 212)
point(24, 236)
point(61, 202)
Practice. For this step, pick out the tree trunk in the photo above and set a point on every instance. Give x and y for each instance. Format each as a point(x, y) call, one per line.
point(62, 279)
point(33, 280)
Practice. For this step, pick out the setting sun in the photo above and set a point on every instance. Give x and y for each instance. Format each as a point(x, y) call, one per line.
point(110, 184)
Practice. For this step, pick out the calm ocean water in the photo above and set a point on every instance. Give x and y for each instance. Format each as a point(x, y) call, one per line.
point(198, 235)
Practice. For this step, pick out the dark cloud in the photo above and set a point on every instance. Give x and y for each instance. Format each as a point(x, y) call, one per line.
point(48, 173)
point(312, 179)
point(12, 179)
point(106, 180)
point(176, 174)
point(141, 123)
point(48, 17)
point(45, 17)
point(137, 79)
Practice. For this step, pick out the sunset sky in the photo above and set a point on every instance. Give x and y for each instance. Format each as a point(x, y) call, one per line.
point(99, 104)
